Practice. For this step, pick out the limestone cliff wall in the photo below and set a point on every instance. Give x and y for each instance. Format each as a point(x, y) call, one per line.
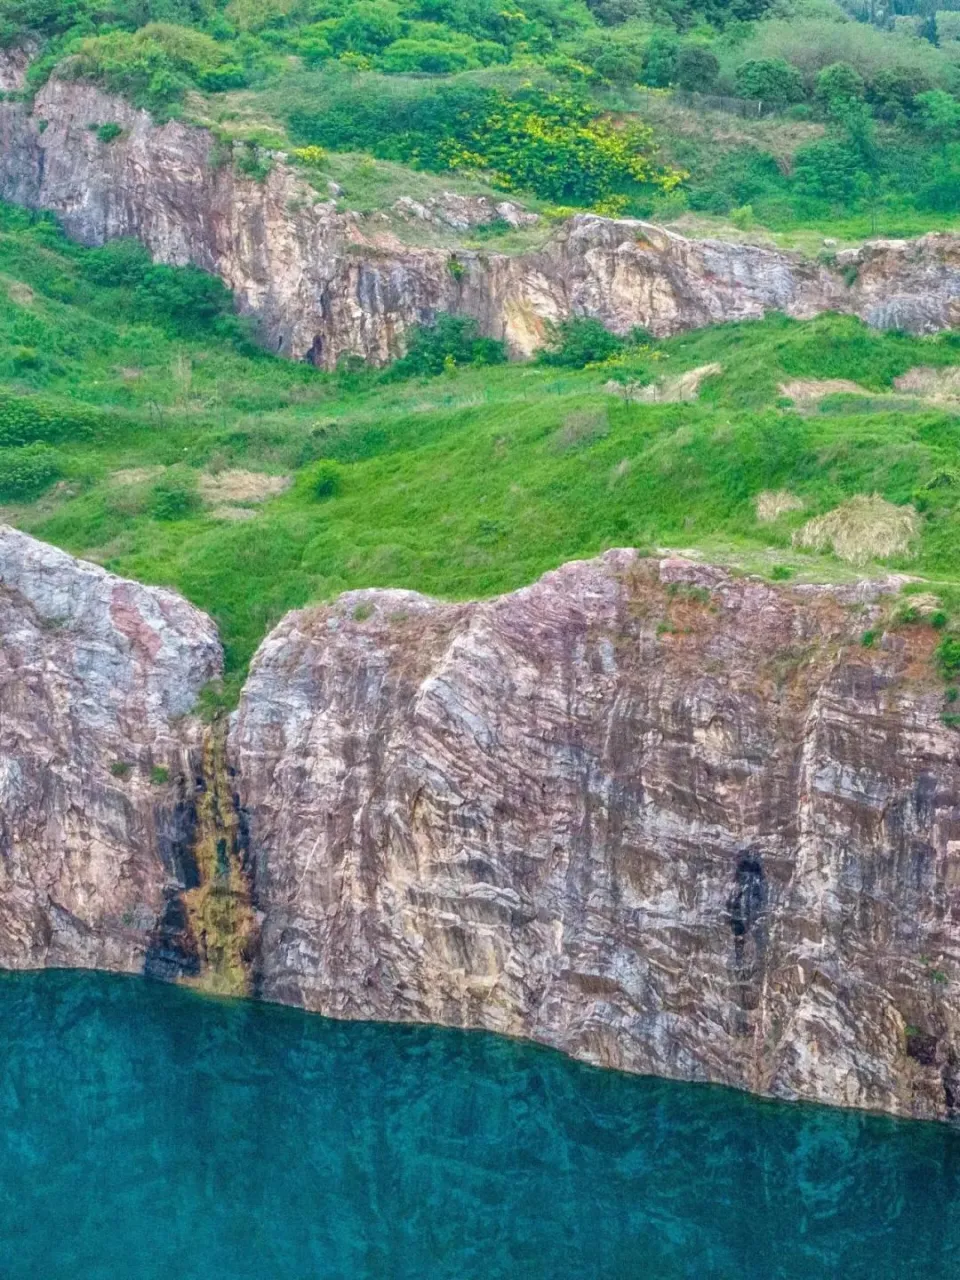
point(323, 283)
point(98, 758)
point(662, 818)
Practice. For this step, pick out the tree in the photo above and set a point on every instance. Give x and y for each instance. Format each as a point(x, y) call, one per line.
point(697, 69)
point(770, 80)
point(839, 83)
point(894, 89)
point(660, 60)
point(939, 114)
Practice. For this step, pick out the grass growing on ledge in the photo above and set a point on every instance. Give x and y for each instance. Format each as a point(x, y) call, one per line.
point(466, 484)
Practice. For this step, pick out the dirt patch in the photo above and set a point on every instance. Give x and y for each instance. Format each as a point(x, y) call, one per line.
point(20, 293)
point(771, 504)
point(685, 387)
point(865, 528)
point(136, 475)
point(938, 385)
point(230, 487)
point(808, 391)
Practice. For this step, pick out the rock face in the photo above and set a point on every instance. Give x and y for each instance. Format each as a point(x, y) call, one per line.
point(324, 283)
point(98, 754)
point(662, 818)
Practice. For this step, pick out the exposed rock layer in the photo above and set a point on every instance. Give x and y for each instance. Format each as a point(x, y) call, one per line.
point(98, 754)
point(323, 283)
point(661, 818)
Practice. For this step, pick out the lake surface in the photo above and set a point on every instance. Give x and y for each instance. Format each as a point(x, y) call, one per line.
point(149, 1132)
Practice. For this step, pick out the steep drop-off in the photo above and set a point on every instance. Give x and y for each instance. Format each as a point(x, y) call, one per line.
point(99, 756)
point(660, 817)
point(323, 283)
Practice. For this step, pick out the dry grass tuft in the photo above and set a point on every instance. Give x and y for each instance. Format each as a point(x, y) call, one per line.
point(866, 527)
point(771, 504)
point(942, 386)
point(580, 428)
point(231, 487)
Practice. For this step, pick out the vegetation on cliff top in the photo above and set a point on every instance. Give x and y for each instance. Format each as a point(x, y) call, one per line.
point(166, 446)
point(565, 100)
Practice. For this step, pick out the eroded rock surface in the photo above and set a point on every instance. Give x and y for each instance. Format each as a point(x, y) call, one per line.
point(323, 283)
point(662, 818)
point(98, 752)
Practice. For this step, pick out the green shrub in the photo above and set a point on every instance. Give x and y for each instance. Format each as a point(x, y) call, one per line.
point(26, 472)
point(174, 497)
point(156, 65)
point(839, 83)
point(451, 338)
point(660, 60)
point(948, 657)
point(109, 132)
point(579, 341)
point(325, 480)
point(27, 419)
point(697, 69)
point(770, 80)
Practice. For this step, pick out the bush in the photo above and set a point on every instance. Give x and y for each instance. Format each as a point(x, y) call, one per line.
point(579, 341)
point(697, 69)
point(894, 89)
point(29, 419)
point(829, 170)
point(174, 498)
point(453, 339)
point(26, 472)
point(948, 657)
point(325, 480)
point(839, 83)
point(769, 80)
point(660, 60)
point(109, 132)
point(156, 65)
point(942, 195)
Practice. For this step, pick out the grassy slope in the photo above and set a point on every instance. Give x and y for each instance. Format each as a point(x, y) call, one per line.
point(462, 485)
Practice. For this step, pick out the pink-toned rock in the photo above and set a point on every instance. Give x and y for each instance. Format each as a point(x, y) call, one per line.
point(98, 677)
point(323, 283)
point(663, 818)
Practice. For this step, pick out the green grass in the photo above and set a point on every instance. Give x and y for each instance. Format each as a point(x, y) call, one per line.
point(462, 485)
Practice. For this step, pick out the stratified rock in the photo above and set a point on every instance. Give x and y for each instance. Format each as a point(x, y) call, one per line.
point(323, 283)
point(663, 818)
point(98, 749)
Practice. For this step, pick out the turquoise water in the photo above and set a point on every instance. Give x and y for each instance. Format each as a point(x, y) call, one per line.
point(148, 1132)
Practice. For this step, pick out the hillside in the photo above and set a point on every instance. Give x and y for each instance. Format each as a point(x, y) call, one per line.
point(790, 115)
point(141, 428)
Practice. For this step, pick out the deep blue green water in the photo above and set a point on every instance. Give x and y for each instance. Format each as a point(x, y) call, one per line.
point(148, 1132)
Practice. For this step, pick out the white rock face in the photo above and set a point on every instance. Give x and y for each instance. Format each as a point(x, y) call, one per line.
point(98, 677)
point(323, 284)
point(661, 818)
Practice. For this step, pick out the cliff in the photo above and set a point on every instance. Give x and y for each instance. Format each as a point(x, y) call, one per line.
point(662, 818)
point(323, 283)
point(98, 756)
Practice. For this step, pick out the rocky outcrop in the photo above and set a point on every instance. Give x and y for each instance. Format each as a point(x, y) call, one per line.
point(98, 759)
point(662, 818)
point(323, 283)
